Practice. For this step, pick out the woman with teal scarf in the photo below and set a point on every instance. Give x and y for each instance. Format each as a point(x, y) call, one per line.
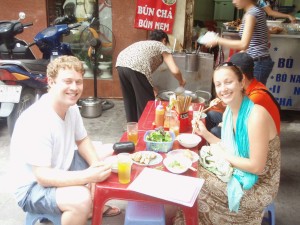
point(252, 147)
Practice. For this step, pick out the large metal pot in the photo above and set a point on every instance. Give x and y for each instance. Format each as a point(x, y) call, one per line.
point(91, 107)
point(203, 96)
point(165, 95)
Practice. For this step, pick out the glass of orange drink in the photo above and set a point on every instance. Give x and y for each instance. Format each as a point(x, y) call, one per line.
point(132, 132)
point(124, 168)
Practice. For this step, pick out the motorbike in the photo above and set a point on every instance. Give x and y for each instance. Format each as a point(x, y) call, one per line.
point(23, 77)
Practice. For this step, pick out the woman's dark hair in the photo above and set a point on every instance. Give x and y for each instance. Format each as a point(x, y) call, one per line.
point(159, 35)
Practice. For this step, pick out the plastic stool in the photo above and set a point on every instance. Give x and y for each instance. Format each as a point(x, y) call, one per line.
point(32, 218)
point(271, 214)
point(144, 213)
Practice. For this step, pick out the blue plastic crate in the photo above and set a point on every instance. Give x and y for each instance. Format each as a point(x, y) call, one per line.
point(159, 146)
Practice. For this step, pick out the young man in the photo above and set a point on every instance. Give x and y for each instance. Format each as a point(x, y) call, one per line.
point(53, 162)
point(256, 91)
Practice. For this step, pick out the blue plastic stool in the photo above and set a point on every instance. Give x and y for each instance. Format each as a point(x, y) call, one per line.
point(271, 214)
point(32, 218)
point(144, 213)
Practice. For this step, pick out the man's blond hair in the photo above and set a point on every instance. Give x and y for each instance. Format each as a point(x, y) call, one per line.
point(64, 62)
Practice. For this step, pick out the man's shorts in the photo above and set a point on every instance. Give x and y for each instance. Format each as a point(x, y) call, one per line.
point(43, 200)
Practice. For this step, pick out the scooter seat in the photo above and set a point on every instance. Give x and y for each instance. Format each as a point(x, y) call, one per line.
point(38, 66)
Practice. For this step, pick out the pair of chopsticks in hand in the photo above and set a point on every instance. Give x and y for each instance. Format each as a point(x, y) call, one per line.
point(216, 102)
point(202, 110)
point(198, 117)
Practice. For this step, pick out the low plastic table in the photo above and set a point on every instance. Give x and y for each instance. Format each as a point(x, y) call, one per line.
point(112, 189)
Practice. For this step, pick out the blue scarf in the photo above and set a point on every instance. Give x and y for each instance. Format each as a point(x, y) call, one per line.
point(238, 143)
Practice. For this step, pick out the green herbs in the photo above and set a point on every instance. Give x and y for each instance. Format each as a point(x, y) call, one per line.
point(159, 135)
point(176, 165)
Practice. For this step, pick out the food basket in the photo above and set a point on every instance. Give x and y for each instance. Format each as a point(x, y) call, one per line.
point(275, 26)
point(159, 146)
point(292, 28)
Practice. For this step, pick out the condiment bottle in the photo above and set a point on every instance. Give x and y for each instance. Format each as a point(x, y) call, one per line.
point(159, 116)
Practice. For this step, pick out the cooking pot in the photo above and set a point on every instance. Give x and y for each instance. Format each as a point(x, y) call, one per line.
point(90, 107)
point(165, 95)
point(203, 96)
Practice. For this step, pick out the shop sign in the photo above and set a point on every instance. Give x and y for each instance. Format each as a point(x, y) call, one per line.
point(284, 80)
point(155, 14)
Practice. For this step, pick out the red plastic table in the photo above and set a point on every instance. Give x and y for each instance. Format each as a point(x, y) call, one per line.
point(112, 189)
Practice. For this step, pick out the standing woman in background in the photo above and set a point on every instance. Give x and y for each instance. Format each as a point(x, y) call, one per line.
point(265, 5)
point(254, 39)
point(135, 65)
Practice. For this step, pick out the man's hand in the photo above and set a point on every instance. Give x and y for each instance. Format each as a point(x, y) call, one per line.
point(98, 172)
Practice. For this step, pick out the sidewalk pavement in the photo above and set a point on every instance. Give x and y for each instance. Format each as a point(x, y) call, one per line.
point(109, 128)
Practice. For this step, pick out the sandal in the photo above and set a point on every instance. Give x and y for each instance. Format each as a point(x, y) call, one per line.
point(111, 211)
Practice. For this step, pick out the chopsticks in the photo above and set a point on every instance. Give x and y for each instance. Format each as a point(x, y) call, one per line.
point(182, 104)
point(198, 117)
point(192, 168)
point(211, 106)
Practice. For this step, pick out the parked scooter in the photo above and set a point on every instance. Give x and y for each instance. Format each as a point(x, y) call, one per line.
point(22, 80)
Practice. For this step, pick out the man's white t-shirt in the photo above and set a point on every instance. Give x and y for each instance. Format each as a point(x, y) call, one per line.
point(42, 138)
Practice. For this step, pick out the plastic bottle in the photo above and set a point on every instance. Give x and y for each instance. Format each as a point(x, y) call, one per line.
point(168, 117)
point(159, 116)
point(174, 123)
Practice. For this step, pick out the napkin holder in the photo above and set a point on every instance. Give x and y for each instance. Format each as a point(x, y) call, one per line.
point(184, 121)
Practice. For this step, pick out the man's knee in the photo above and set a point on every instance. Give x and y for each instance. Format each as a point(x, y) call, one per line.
point(75, 198)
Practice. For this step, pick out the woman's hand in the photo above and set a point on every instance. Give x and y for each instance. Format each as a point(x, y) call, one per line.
point(292, 18)
point(200, 128)
point(212, 43)
point(155, 91)
point(182, 83)
point(215, 102)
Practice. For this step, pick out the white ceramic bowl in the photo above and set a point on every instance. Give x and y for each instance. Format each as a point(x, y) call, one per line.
point(177, 164)
point(188, 140)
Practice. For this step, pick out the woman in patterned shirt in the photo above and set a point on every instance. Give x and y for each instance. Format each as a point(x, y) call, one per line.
point(265, 5)
point(135, 65)
point(254, 39)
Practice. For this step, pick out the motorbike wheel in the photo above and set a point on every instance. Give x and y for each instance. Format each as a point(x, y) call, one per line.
point(27, 99)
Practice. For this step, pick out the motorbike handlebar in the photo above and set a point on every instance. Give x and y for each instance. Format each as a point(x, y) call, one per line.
point(74, 25)
point(31, 44)
point(27, 24)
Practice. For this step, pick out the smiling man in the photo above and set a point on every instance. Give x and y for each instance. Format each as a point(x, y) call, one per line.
point(52, 158)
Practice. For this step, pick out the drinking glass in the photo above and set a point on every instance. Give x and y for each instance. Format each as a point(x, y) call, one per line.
point(124, 168)
point(132, 132)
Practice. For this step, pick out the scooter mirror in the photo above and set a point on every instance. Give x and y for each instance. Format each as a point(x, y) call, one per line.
point(22, 15)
